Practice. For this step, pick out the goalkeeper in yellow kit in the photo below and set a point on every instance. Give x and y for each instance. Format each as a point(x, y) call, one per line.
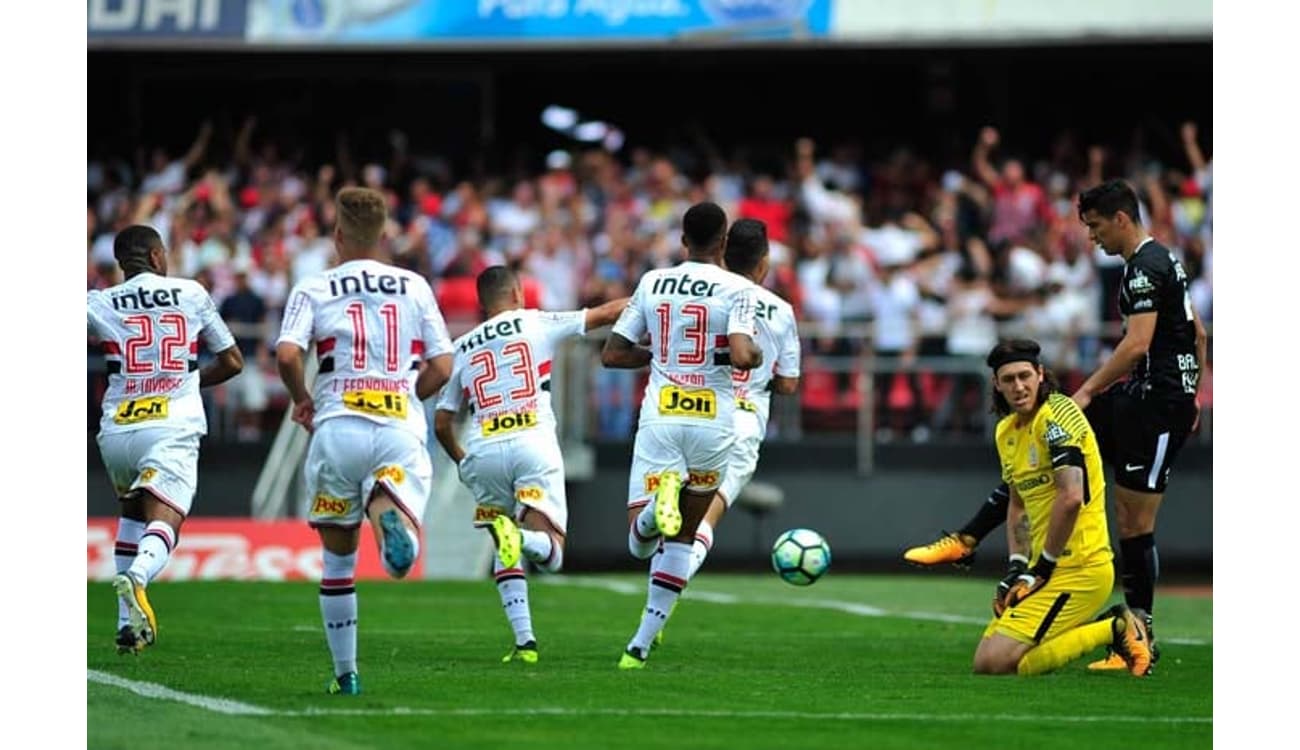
point(1060, 567)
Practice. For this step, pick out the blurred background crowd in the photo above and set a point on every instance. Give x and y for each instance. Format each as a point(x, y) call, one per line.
point(903, 268)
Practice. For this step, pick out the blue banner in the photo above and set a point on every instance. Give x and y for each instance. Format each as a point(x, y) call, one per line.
point(532, 21)
point(165, 19)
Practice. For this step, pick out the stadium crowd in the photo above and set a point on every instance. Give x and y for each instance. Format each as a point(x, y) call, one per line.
point(922, 264)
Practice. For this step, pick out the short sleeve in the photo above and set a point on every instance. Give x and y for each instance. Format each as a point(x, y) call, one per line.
point(741, 319)
point(452, 394)
point(1064, 431)
point(631, 322)
point(298, 314)
point(1142, 287)
point(562, 325)
point(433, 329)
point(787, 358)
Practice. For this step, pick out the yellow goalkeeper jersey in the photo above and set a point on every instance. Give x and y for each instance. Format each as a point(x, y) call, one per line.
point(1057, 436)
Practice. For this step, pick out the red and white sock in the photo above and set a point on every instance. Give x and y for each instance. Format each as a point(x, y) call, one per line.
point(338, 609)
point(667, 580)
point(643, 536)
point(513, 587)
point(154, 550)
point(542, 550)
point(700, 550)
point(129, 532)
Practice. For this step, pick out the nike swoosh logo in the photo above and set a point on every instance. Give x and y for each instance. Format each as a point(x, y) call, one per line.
point(1133, 467)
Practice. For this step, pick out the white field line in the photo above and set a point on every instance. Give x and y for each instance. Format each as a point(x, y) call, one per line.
point(852, 608)
point(224, 706)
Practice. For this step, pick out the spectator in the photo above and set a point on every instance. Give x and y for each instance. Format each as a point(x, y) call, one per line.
point(246, 313)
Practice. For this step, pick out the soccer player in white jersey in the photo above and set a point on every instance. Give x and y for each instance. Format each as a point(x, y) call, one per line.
point(149, 328)
point(700, 320)
point(511, 460)
point(382, 343)
point(778, 337)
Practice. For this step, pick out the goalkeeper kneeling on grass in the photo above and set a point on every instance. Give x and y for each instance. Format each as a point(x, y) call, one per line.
point(1060, 568)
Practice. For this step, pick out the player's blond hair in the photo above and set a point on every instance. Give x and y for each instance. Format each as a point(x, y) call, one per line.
point(362, 213)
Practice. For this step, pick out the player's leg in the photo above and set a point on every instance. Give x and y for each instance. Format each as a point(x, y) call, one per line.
point(652, 461)
point(485, 472)
point(167, 467)
point(120, 466)
point(740, 469)
point(704, 532)
point(1059, 621)
point(1144, 455)
point(539, 492)
point(338, 457)
point(397, 490)
point(338, 603)
point(705, 452)
point(958, 547)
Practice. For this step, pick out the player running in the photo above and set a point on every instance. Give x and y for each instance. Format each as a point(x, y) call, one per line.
point(149, 328)
point(511, 460)
point(381, 343)
point(700, 320)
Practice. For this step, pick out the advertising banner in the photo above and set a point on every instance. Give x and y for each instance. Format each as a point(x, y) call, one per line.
point(531, 21)
point(237, 549)
point(154, 20)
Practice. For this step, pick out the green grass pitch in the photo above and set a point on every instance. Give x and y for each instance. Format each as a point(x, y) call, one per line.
point(748, 662)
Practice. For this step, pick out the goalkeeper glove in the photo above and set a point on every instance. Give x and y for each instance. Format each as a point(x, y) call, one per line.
point(1029, 582)
point(1018, 565)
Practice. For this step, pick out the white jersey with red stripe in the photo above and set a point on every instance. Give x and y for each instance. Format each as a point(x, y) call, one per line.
point(373, 324)
point(502, 372)
point(778, 336)
point(149, 328)
point(689, 310)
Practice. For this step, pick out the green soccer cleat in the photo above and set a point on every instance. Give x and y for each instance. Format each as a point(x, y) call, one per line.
point(632, 659)
point(509, 541)
point(345, 684)
point(668, 516)
point(143, 622)
point(526, 653)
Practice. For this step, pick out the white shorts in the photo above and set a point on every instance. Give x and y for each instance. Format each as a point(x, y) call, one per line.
point(510, 476)
point(744, 455)
point(165, 462)
point(349, 456)
point(247, 390)
point(698, 452)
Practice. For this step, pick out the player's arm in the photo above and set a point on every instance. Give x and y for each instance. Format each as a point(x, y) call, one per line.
point(784, 385)
point(621, 350)
point(433, 376)
point(1019, 546)
point(606, 314)
point(228, 364)
point(621, 354)
point(1202, 347)
point(745, 354)
point(436, 369)
point(1131, 349)
point(444, 429)
point(289, 363)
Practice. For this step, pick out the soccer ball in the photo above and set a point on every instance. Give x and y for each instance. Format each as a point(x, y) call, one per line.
point(801, 556)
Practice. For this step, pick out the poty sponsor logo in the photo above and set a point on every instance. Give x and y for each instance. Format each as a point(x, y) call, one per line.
point(528, 494)
point(394, 473)
point(324, 505)
point(147, 474)
point(483, 514)
point(694, 478)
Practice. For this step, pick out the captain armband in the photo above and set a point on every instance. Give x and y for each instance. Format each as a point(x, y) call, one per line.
point(1067, 455)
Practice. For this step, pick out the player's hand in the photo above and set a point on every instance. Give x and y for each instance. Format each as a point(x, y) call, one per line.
point(1196, 423)
point(1029, 582)
point(303, 412)
point(1015, 568)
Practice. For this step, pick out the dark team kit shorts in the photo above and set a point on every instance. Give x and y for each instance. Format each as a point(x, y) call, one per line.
point(1140, 437)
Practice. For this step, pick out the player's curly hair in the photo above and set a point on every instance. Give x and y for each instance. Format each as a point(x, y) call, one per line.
point(362, 213)
point(1020, 350)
